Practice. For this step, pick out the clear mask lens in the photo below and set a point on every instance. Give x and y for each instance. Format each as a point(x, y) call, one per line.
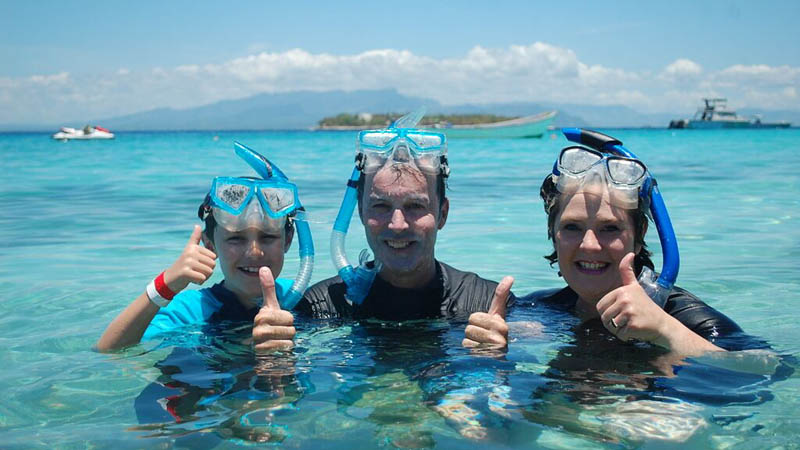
point(279, 200)
point(426, 141)
point(232, 195)
point(577, 160)
point(377, 138)
point(625, 171)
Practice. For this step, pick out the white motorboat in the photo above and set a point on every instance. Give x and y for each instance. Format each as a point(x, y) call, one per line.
point(715, 114)
point(87, 132)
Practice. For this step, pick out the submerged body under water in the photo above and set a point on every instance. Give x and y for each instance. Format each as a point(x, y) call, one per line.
point(101, 219)
point(410, 384)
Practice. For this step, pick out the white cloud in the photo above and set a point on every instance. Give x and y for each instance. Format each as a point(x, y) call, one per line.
point(59, 78)
point(538, 72)
point(683, 67)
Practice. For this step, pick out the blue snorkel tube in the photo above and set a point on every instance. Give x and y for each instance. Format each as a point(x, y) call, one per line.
point(358, 279)
point(657, 288)
point(267, 170)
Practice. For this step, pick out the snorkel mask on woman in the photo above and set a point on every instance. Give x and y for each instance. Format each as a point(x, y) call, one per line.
point(400, 143)
point(241, 203)
point(628, 182)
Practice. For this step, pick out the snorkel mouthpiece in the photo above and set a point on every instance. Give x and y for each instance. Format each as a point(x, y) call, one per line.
point(658, 288)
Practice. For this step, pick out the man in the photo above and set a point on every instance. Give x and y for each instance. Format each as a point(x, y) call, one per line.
point(400, 187)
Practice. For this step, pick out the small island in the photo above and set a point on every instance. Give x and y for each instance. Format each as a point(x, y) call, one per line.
point(362, 121)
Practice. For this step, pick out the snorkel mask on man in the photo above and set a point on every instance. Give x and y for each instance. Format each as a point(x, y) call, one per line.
point(241, 203)
point(607, 163)
point(400, 143)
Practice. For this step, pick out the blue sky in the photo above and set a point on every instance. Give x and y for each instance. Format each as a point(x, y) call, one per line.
point(652, 56)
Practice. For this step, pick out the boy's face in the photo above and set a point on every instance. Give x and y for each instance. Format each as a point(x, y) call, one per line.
point(242, 253)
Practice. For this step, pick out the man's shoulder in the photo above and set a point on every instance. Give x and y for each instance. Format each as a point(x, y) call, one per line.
point(454, 277)
point(324, 299)
point(468, 292)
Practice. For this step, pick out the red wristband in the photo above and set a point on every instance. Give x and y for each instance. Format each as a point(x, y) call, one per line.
point(162, 288)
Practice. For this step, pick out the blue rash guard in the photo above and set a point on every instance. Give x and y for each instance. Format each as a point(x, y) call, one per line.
point(212, 304)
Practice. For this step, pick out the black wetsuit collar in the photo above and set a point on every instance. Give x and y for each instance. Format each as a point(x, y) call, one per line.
point(387, 302)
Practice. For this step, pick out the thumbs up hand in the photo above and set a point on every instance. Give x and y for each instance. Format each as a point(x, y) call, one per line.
point(273, 328)
point(195, 265)
point(629, 313)
point(490, 327)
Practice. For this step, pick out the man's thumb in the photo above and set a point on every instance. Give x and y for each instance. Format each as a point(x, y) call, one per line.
point(501, 297)
point(626, 270)
point(268, 289)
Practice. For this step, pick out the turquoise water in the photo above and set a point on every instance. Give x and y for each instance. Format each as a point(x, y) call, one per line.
point(88, 224)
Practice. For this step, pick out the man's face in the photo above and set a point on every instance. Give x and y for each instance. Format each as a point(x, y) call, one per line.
point(401, 216)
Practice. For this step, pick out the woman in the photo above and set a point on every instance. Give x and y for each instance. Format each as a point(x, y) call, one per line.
point(597, 200)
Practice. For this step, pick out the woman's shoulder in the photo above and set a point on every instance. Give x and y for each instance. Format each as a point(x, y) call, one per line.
point(561, 298)
point(708, 322)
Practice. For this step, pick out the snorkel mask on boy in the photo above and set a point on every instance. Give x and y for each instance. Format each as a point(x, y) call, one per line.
point(628, 182)
point(241, 203)
point(401, 143)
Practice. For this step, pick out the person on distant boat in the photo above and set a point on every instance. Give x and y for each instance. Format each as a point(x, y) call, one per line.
point(249, 226)
point(597, 201)
point(399, 185)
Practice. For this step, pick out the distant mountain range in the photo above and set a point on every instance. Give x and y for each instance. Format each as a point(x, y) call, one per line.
point(304, 109)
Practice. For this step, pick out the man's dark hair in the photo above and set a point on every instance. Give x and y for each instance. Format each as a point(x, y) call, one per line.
point(441, 186)
point(552, 206)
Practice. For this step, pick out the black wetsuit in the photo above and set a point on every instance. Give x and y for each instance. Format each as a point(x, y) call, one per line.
point(594, 367)
point(681, 304)
point(452, 294)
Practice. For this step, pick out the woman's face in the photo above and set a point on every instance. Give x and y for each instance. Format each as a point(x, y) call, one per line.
point(591, 237)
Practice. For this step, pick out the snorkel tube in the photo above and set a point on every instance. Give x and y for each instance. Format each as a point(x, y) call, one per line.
point(358, 279)
point(267, 170)
point(657, 288)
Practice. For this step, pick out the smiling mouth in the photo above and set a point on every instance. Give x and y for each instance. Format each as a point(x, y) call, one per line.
point(250, 270)
point(591, 267)
point(398, 245)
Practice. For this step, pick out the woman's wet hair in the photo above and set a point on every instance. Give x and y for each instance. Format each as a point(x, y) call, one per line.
point(552, 206)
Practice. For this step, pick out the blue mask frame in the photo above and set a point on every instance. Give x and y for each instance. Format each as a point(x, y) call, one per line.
point(255, 188)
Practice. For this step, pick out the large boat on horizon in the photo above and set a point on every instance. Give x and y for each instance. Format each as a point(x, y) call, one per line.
point(715, 114)
point(522, 127)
